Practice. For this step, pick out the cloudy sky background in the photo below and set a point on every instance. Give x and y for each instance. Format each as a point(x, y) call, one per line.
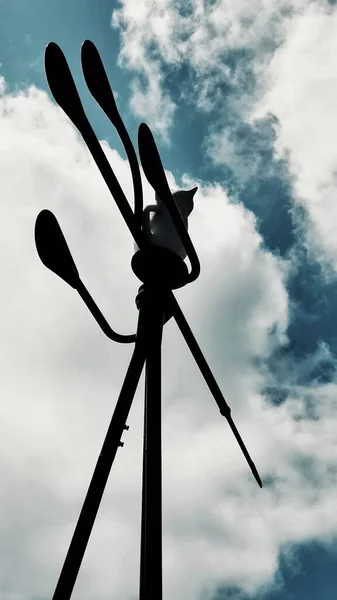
point(242, 98)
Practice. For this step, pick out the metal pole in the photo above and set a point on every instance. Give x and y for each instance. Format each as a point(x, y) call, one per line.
point(100, 476)
point(151, 525)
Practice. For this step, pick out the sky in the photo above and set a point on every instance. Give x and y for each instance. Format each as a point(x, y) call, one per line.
point(241, 98)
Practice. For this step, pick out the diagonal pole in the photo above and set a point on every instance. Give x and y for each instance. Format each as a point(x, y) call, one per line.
point(100, 476)
point(225, 410)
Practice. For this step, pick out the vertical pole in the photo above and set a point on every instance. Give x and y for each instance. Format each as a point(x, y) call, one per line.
point(150, 586)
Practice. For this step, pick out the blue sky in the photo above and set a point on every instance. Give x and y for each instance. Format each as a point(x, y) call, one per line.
point(240, 97)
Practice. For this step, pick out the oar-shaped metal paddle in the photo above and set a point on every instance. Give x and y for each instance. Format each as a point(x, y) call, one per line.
point(63, 88)
point(155, 174)
point(54, 252)
point(53, 249)
point(99, 87)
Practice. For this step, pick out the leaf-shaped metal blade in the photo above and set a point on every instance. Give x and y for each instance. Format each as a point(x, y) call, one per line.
point(97, 81)
point(53, 249)
point(64, 90)
point(62, 85)
point(155, 174)
point(99, 87)
point(151, 162)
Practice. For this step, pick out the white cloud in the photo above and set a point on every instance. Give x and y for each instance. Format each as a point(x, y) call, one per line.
point(60, 379)
point(170, 33)
point(302, 89)
point(242, 151)
point(291, 46)
point(151, 103)
point(148, 101)
point(2, 85)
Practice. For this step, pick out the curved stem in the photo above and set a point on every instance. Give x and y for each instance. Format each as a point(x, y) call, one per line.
point(99, 87)
point(102, 322)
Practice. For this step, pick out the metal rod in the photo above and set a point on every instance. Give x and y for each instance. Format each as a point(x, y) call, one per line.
point(151, 576)
point(100, 476)
point(100, 319)
point(210, 380)
point(111, 181)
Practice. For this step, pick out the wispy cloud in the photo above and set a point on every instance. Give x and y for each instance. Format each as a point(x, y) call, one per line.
point(264, 71)
point(302, 88)
point(219, 43)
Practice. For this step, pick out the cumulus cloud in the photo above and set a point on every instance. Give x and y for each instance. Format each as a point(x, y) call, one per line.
point(302, 88)
point(221, 45)
point(269, 65)
point(60, 379)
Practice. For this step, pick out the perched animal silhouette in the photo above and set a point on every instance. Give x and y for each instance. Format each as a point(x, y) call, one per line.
point(159, 228)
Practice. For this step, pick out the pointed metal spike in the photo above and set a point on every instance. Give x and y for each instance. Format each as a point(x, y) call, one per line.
point(244, 450)
point(209, 378)
point(256, 475)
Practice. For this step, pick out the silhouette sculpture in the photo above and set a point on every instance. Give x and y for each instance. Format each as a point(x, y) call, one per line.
point(160, 229)
point(162, 244)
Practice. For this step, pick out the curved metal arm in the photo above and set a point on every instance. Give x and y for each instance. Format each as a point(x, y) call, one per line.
point(99, 87)
point(102, 322)
point(55, 254)
point(63, 88)
point(155, 175)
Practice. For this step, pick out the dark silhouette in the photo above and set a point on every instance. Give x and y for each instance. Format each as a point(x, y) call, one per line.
point(160, 229)
point(161, 269)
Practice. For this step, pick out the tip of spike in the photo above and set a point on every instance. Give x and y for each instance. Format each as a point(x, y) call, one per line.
point(256, 475)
